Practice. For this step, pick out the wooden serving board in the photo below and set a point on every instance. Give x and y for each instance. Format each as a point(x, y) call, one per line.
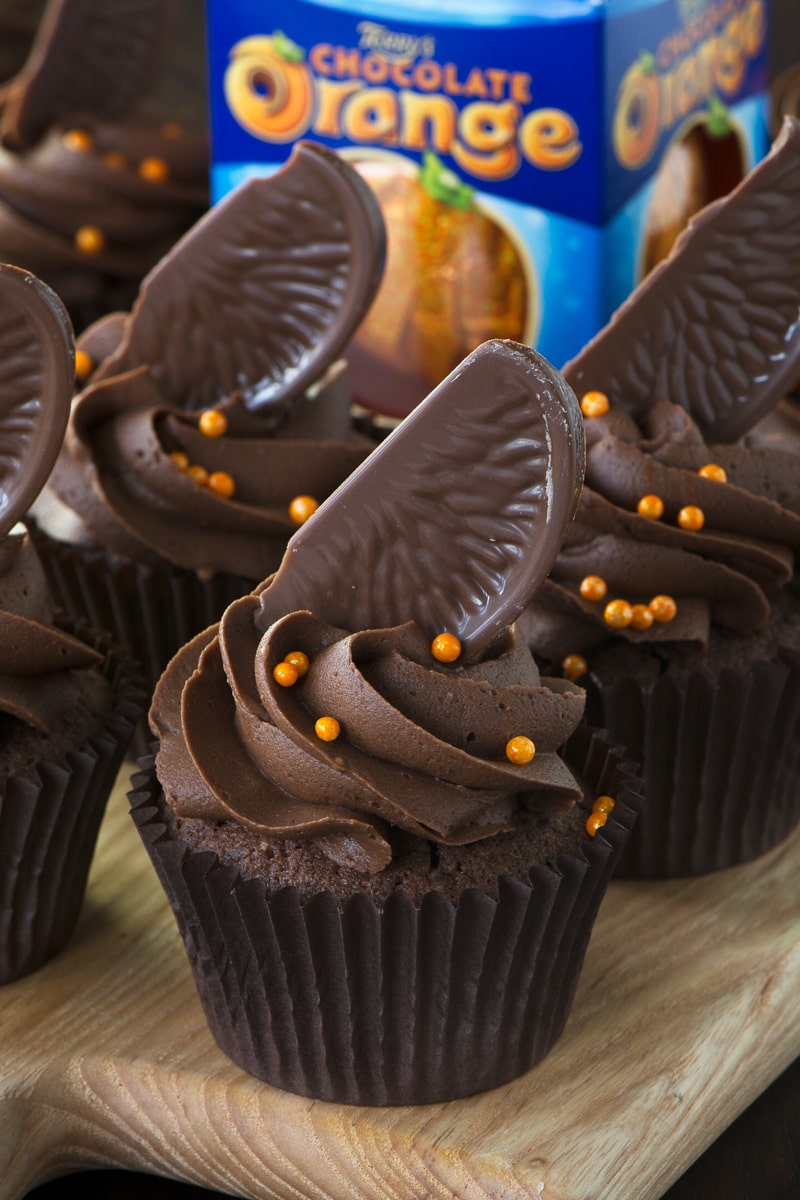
point(687, 1008)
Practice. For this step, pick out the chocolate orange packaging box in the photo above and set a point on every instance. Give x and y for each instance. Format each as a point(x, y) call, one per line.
point(533, 160)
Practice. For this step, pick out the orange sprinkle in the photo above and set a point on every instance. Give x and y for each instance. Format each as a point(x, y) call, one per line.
point(593, 587)
point(520, 750)
point(198, 474)
point(596, 821)
point(212, 423)
point(691, 517)
point(301, 508)
point(89, 239)
point(115, 160)
point(299, 660)
point(618, 614)
point(642, 617)
point(712, 471)
point(221, 483)
point(153, 169)
point(574, 665)
point(77, 139)
point(604, 804)
point(83, 365)
point(445, 647)
point(327, 729)
point(663, 608)
point(179, 460)
point(651, 507)
point(285, 674)
point(594, 404)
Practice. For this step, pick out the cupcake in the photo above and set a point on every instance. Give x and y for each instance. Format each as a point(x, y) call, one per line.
point(674, 598)
point(216, 414)
point(68, 698)
point(384, 867)
point(104, 158)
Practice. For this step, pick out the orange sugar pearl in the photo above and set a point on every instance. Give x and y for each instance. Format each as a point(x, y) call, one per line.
point(301, 508)
point(445, 647)
point(286, 674)
point(593, 587)
point(651, 507)
point(298, 660)
point(574, 665)
point(212, 423)
point(663, 608)
point(77, 139)
point(179, 460)
point(115, 160)
point(520, 750)
point(89, 239)
point(83, 365)
point(153, 169)
point(712, 471)
point(594, 404)
point(221, 484)
point(603, 804)
point(596, 821)
point(642, 617)
point(327, 729)
point(198, 474)
point(618, 614)
point(691, 517)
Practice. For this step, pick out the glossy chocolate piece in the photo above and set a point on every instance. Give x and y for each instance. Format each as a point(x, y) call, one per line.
point(714, 328)
point(88, 56)
point(36, 385)
point(263, 293)
point(456, 518)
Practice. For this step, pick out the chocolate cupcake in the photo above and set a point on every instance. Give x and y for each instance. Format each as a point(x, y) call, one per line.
point(213, 406)
point(384, 870)
point(674, 598)
point(104, 157)
point(69, 698)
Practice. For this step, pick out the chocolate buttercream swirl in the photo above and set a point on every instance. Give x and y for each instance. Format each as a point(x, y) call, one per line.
point(422, 745)
point(725, 572)
point(39, 661)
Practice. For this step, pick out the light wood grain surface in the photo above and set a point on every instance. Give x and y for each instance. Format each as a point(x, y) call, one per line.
point(687, 1008)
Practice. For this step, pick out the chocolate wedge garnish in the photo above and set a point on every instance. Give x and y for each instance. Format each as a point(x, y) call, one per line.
point(88, 56)
point(36, 384)
point(456, 518)
point(263, 293)
point(716, 326)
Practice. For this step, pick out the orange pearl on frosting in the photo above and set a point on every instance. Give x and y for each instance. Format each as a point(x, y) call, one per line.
point(715, 472)
point(594, 404)
point(198, 474)
point(77, 139)
point(520, 750)
point(651, 507)
point(663, 608)
point(153, 169)
point(594, 822)
point(221, 484)
point(212, 423)
point(89, 239)
point(574, 665)
point(285, 674)
point(445, 647)
point(604, 804)
point(327, 729)
point(618, 614)
point(301, 508)
point(593, 587)
point(299, 660)
point(691, 518)
point(179, 460)
point(642, 617)
point(83, 365)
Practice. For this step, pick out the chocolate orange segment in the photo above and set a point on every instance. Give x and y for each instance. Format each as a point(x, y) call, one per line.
point(36, 385)
point(456, 518)
point(715, 326)
point(263, 293)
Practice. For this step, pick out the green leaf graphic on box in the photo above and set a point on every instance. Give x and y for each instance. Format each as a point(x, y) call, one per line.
point(286, 49)
point(718, 121)
point(443, 184)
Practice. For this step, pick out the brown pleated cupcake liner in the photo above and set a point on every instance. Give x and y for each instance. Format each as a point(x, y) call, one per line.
point(154, 610)
point(49, 823)
point(720, 762)
point(402, 1003)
